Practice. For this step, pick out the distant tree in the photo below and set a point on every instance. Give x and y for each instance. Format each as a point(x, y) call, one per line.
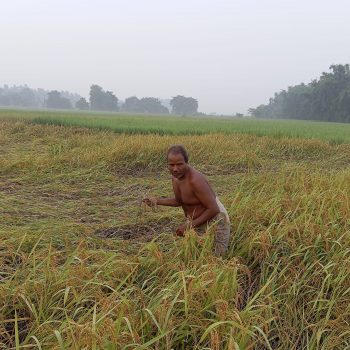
point(101, 100)
point(132, 105)
point(27, 97)
point(259, 112)
point(327, 98)
point(82, 104)
point(40, 95)
point(96, 97)
point(149, 105)
point(24, 96)
point(55, 100)
point(4, 98)
point(18, 96)
point(184, 105)
point(152, 105)
point(111, 101)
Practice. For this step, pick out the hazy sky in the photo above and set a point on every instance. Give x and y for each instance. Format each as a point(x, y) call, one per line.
point(230, 55)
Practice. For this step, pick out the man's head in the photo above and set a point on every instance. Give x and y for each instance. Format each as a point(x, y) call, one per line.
point(177, 159)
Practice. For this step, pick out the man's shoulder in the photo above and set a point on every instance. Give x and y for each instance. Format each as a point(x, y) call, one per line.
point(196, 176)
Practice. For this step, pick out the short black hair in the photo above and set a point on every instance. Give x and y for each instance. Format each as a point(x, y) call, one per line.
point(178, 149)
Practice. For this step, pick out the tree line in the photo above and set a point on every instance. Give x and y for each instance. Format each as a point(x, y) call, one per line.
point(23, 96)
point(325, 99)
point(99, 100)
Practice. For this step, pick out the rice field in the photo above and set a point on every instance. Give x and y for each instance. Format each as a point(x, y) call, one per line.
point(84, 265)
point(175, 125)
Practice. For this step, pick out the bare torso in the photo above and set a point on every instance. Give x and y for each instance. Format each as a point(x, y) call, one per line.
point(186, 196)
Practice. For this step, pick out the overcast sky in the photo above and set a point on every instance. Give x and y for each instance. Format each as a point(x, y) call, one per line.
point(230, 55)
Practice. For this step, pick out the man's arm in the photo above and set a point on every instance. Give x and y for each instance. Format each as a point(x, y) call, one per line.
point(205, 195)
point(169, 202)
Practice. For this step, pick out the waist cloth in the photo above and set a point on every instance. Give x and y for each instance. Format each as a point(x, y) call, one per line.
point(221, 223)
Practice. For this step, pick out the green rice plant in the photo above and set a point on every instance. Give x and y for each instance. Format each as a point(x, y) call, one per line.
point(334, 133)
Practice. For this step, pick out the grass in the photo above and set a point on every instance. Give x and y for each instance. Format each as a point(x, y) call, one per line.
point(84, 266)
point(171, 125)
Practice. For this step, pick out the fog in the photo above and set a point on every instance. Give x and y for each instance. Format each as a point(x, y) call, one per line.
point(230, 55)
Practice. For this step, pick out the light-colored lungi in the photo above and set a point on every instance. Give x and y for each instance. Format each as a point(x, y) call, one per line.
point(221, 222)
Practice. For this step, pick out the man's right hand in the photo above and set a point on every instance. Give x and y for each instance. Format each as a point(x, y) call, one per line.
point(150, 201)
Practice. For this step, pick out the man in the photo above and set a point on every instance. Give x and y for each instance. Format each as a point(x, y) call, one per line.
point(196, 197)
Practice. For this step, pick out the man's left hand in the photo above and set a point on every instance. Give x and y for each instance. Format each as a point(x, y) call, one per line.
point(181, 230)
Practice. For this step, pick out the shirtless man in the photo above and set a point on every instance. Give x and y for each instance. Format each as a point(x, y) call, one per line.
point(197, 199)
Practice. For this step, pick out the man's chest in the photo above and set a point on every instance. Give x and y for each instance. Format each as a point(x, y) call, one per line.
point(185, 193)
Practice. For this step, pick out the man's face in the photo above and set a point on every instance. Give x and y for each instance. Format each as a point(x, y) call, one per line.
point(177, 165)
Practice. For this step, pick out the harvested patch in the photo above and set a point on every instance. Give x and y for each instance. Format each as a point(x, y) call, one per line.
point(59, 196)
point(130, 232)
point(9, 187)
